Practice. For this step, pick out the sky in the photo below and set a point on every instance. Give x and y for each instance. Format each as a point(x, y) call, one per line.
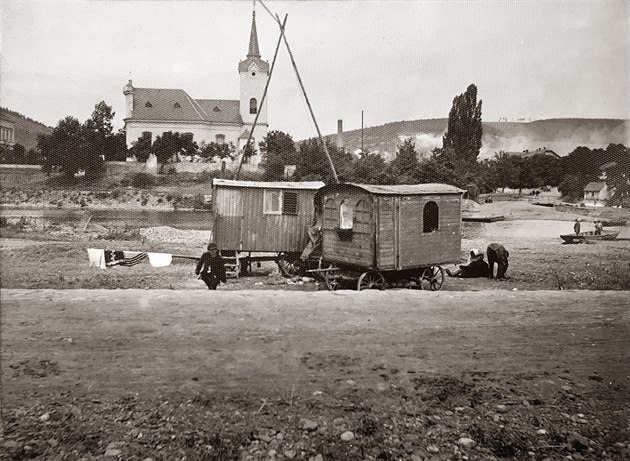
point(390, 60)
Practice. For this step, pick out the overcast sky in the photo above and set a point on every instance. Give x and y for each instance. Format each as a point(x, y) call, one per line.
point(395, 60)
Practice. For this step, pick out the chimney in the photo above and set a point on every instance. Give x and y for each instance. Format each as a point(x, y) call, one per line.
point(340, 134)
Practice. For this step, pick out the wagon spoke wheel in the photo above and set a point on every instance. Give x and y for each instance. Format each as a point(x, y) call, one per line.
point(432, 278)
point(331, 278)
point(371, 280)
point(289, 268)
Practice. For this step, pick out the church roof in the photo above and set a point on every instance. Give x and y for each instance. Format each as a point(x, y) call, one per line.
point(221, 110)
point(167, 104)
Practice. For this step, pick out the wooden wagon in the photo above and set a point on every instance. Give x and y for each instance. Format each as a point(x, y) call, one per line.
point(256, 221)
point(376, 236)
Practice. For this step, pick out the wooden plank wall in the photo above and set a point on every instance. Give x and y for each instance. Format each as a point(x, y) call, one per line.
point(386, 237)
point(359, 249)
point(417, 248)
point(244, 221)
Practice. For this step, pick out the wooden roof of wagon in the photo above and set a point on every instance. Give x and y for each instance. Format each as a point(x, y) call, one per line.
point(400, 189)
point(312, 185)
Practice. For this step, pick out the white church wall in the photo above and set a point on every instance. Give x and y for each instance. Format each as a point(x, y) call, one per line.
point(200, 132)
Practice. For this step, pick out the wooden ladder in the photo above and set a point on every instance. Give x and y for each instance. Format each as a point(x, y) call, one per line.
point(232, 264)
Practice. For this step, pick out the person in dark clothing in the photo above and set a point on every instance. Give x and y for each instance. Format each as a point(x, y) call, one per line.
point(497, 253)
point(476, 266)
point(211, 268)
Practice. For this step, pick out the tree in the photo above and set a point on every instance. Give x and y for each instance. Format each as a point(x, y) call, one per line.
point(141, 148)
point(277, 149)
point(99, 132)
point(464, 129)
point(404, 168)
point(220, 150)
point(618, 174)
point(370, 168)
point(167, 146)
point(312, 163)
point(68, 149)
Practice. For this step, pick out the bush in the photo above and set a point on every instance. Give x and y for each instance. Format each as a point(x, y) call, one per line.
point(142, 180)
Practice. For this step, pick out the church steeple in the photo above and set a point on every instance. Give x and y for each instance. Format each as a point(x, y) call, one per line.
point(253, 40)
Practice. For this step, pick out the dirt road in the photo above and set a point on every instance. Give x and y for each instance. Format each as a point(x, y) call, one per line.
point(399, 374)
point(249, 340)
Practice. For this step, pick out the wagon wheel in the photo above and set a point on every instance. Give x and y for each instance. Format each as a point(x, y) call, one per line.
point(331, 279)
point(289, 268)
point(371, 280)
point(432, 278)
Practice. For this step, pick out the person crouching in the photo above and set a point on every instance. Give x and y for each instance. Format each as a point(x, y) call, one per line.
point(211, 268)
point(475, 267)
point(497, 253)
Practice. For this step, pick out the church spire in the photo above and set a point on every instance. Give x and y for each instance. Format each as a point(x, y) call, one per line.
point(253, 39)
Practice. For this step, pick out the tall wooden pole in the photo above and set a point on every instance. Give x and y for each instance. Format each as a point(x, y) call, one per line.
point(297, 73)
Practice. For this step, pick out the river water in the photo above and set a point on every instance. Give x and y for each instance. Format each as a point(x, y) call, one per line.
point(202, 220)
point(185, 220)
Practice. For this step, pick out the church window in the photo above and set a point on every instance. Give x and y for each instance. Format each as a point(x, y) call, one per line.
point(216, 109)
point(253, 106)
point(253, 73)
point(146, 135)
point(177, 106)
point(188, 136)
point(220, 139)
point(148, 104)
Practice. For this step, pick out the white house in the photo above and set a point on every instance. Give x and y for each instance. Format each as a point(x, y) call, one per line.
point(596, 194)
point(153, 111)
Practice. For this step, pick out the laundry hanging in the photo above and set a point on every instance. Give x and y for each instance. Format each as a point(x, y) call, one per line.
point(160, 259)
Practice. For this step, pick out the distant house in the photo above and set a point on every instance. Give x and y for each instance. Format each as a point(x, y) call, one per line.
point(530, 153)
point(596, 194)
point(7, 132)
point(15, 128)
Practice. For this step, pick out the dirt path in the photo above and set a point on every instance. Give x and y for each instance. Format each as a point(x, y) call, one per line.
point(277, 375)
point(312, 340)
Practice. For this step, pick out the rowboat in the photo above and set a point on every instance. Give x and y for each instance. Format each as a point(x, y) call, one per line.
point(588, 236)
point(493, 218)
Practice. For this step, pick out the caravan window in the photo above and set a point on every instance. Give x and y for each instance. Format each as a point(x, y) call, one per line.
point(272, 201)
point(277, 201)
point(346, 215)
point(430, 217)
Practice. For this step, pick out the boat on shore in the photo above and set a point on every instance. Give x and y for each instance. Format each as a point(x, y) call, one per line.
point(613, 223)
point(494, 218)
point(588, 236)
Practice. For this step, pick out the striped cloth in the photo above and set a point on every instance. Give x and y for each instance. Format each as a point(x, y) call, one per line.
point(132, 258)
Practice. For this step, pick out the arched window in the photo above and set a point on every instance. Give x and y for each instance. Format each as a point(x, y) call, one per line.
point(346, 215)
point(220, 139)
point(430, 217)
point(253, 106)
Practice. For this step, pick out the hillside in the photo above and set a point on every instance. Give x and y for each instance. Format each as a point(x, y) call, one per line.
point(559, 135)
point(26, 129)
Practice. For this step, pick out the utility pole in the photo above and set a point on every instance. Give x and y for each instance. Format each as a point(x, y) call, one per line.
point(361, 132)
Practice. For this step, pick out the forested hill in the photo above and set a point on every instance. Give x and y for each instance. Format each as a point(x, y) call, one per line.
point(560, 135)
point(26, 129)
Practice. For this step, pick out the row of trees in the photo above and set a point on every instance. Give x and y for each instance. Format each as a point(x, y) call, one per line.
point(73, 146)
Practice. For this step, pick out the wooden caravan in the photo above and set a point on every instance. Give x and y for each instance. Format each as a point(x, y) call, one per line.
point(390, 234)
point(263, 217)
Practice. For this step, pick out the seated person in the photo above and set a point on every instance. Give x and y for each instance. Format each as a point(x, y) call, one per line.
point(475, 267)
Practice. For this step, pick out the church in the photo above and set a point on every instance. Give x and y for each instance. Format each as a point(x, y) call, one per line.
point(153, 111)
